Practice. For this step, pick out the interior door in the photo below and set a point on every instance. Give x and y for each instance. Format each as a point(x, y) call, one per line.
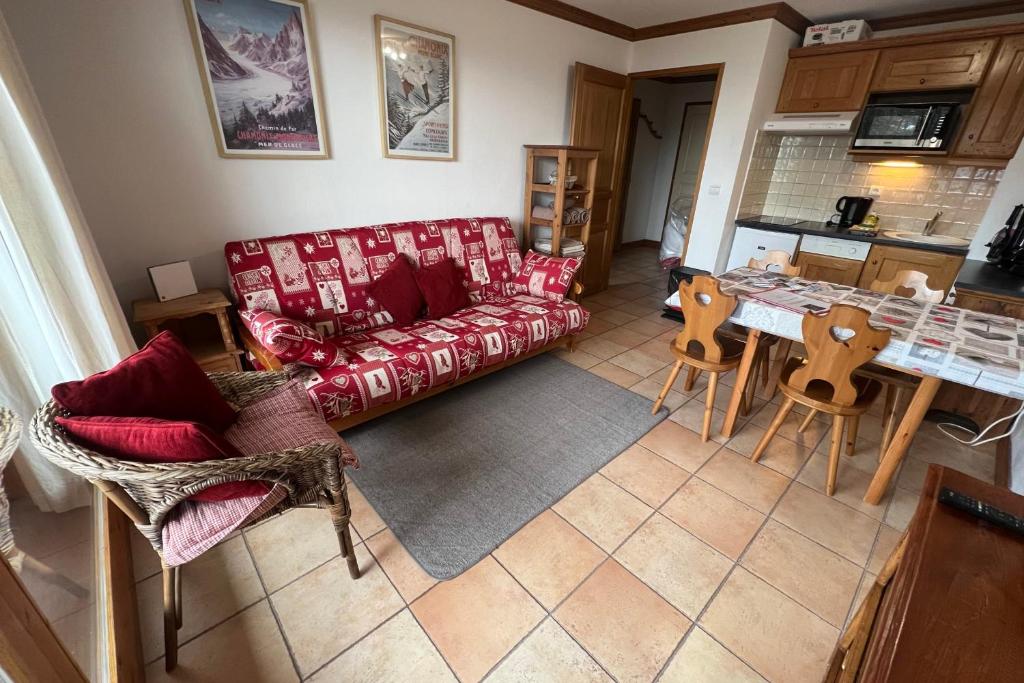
point(600, 117)
point(696, 119)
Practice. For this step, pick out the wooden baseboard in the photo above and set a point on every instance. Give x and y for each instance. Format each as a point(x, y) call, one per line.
point(343, 423)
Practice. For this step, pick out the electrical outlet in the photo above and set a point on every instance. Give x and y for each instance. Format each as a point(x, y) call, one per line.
point(875, 191)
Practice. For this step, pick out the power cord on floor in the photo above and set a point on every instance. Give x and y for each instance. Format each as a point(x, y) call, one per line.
point(978, 440)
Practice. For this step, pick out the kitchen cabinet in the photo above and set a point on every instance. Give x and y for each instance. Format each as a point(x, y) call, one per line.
point(832, 82)
point(884, 262)
point(838, 271)
point(994, 125)
point(938, 66)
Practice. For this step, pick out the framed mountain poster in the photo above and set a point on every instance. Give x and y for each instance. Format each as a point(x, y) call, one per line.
point(258, 69)
point(416, 80)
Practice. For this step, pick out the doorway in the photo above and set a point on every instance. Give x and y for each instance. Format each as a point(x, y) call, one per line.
point(665, 157)
point(651, 130)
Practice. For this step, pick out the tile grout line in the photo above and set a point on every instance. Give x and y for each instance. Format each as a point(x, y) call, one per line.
point(738, 563)
point(548, 614)
point(270, 604)
point(408, 605)
point(725, 580)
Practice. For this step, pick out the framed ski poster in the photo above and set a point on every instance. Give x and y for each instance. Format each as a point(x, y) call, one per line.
point(416, 80)
point(258, 69)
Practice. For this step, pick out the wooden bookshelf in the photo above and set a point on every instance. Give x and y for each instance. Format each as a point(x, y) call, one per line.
point(582, 162)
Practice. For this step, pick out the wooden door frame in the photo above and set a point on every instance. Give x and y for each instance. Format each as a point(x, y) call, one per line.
point(675, 163)
point(718, 70)
point(627, 168)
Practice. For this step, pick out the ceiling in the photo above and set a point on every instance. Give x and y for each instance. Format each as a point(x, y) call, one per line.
point(637, 13)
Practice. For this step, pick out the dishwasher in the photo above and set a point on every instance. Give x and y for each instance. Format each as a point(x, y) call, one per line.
point(842, 263)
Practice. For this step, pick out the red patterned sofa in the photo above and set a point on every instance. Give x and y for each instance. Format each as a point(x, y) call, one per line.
point(321, 279)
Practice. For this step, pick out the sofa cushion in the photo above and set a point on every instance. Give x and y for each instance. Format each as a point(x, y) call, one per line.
point(147, 439)
point(545, 276)
point(323, 278)
point(290, 340)
point(161, 380)
point(442, 288)
point(397, 293)
point(397, 362)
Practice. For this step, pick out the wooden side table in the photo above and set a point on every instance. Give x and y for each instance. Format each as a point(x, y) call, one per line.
point(200, 321)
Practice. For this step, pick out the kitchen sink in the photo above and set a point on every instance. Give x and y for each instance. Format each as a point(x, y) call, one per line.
point(944, 240)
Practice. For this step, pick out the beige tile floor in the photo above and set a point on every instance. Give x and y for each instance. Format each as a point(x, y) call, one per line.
point(677, 561)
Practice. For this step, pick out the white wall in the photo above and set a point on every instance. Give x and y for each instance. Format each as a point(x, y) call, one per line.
point(755, 56)
point(1008, 194)
point(119, 85)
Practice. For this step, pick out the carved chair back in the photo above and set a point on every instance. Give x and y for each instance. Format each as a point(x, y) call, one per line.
point(778, 258)
point(910, 284)
point(838, 343)
point(705, 309)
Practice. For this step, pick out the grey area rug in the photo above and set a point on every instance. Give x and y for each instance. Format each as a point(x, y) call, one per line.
point(457, 474)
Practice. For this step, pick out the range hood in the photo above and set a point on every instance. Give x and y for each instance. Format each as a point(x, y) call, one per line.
point(825, 123)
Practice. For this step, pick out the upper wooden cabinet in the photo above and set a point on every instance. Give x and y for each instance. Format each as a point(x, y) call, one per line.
point(937, 66)
point(995, 123)
point(832, 82)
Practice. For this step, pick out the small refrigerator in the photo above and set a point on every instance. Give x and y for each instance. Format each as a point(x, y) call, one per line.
point(750, 243)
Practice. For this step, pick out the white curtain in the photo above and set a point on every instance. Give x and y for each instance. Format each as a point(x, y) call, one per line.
point(59, 318)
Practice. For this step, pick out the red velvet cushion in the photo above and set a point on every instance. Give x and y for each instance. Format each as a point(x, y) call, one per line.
point(442, 288)
point(397, 293)
point(161, 380)
point(147, 439)
point(548, 277)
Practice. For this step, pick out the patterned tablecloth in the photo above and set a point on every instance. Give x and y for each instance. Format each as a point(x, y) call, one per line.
point(975, 349)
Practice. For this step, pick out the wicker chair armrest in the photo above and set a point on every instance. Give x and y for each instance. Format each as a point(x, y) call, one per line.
point(158, 487)
point(242, 388)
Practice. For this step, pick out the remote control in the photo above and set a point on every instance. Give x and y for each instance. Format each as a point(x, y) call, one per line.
point(985, 511)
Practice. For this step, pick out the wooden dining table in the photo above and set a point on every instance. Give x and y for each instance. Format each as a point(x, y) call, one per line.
point(935, 342)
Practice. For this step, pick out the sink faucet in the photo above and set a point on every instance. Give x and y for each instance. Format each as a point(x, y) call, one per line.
point(929, 227)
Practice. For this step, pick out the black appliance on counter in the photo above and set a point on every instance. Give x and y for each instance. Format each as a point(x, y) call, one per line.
point(1006, 250)
point(850, 211)
point(908, 122)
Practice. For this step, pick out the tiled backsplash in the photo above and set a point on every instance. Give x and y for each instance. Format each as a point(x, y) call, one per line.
point(802, 176)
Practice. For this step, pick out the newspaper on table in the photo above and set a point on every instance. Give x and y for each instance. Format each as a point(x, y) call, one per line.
point(967, 347)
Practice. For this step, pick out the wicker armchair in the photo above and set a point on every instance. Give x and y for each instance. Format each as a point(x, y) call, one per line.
point(147, 492)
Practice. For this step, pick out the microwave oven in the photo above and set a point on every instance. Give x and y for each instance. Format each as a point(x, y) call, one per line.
point(907, 125)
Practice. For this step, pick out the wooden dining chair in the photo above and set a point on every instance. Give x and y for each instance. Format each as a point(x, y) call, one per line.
point(782, 262)
point(837, 344)
point(701, 345)
point(775, 257)
point(910, 284)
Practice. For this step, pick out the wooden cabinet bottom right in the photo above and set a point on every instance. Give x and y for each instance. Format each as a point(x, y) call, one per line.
point(884, 262)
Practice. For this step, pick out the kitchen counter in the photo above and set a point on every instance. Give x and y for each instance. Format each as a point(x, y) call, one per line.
point(798, 227)
point(980, 276)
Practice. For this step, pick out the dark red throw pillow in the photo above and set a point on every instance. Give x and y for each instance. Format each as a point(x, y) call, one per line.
point(442, 288)
point(160, 380)
point(397, 293)
point(147, 439)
